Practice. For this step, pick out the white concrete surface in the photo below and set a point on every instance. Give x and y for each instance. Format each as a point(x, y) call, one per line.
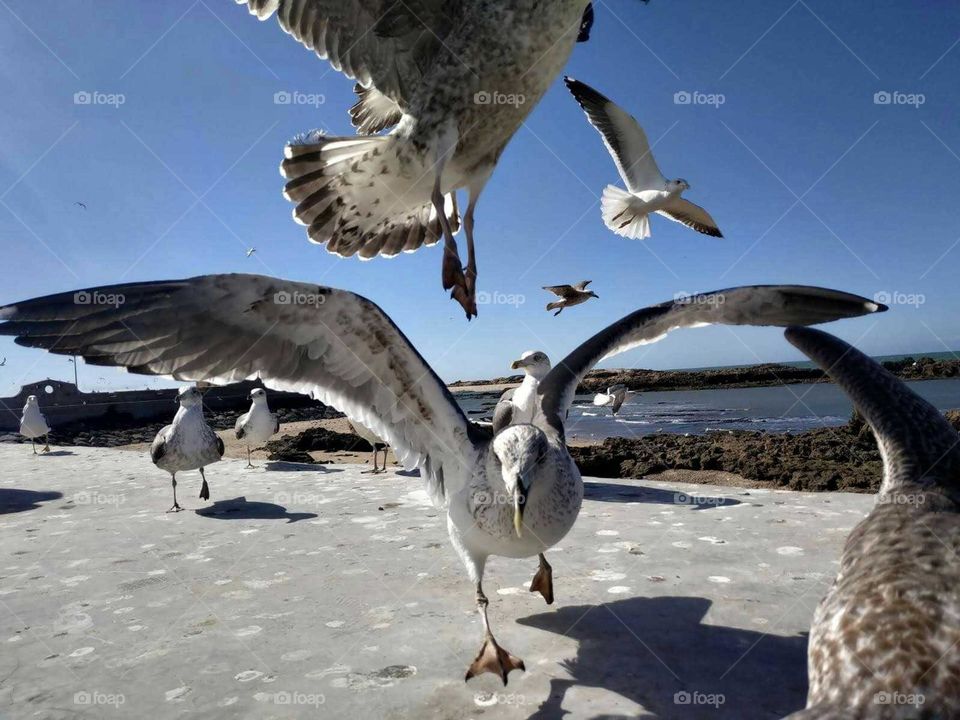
point(327, 593)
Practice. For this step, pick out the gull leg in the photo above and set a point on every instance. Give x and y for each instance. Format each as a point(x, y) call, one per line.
point(371, 472)
point(384, 468)
point(491, 658)
point(46, 443)
point(204, 489)
point(176, 506)
point(249, 464)
point(33, 444)
point(543, 580)
point(452, 271)
point(471, 270)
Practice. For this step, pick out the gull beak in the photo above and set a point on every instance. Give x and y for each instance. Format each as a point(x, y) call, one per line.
point(519, 503)
point(517, 365)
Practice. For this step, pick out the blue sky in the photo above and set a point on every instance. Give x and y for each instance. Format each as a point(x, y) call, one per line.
point(809, 178)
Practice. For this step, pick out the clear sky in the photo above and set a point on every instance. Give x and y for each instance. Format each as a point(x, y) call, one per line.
point(810, 179)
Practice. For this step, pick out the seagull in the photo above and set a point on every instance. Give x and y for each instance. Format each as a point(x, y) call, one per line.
point(569, 295)
point(187, 443)
point(3, 362)
point(80, 204)
point(517, 405)
point(375, 441)
point(885, 637)
point(258, 424)
point(614, 396)
point(513, 494)
point(627, 212)
point(251, 251)
point(33, 424)
point(455, 80)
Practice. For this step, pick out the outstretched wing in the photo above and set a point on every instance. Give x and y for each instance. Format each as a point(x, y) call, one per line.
point(560, 290)
point(384, 44)
point(692, 215)
point(503, 412)
point(336, 346)
point(780, 305)
point(625, 140)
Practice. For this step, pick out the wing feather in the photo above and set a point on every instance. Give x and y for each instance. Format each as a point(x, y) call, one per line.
point(692, 215)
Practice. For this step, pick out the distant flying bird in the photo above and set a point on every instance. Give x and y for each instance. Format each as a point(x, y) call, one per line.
point(614, 397)
point(455, 79)
point(884, 641)
point(3, 362)
point(251, 251)
point(258, 424)
point(33, 424)
point(569, 295)
point(514, 494)
point(80, 204)
point(627, 212)
point(187, 443)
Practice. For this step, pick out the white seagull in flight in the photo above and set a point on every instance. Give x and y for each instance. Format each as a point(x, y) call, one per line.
point(627, 212)
point(514, 494)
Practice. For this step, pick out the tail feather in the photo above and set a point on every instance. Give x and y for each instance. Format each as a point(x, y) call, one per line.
point(352, 196)
point(918, 445)
point(621, 216)
point(373, 111)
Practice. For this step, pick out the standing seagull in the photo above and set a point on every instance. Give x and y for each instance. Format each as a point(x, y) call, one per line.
point(628, 213)
point(258, 424)
point(375, 441)
point(33, 424)
point(517, 405)
point(455, 79)
point(569, 295)
point(614, 397)
point(514, 494)
point(187, 443)
point(885, 641)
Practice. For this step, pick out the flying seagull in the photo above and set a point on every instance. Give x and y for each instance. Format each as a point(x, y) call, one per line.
point(884, 641)
point(375, 441)
point(80, 205)
point(3, 362)
point(514, 494)
point(569, 295)
point(454, 79)
point(250, 251)
point(187, 443)
point(258, 424)
point(614, 397)
point(33, 424)
point(517, 405)
point(627, 212)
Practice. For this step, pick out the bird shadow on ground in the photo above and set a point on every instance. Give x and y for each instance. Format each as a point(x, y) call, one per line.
point(284, 466)
point(56, 453)
point(408, 473)
point(659, 653)
point(240, 509)
point(621, 492)
point(15, 500)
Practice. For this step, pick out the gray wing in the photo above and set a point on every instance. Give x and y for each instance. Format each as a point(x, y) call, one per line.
point(238, 426)
point(503, 413)
point(619, 392)
point(384, 44)
point(692, 215)
point(336, 346)
point(780, 305)
point(582, 285)
point(158, 447)
point(563, 291)
point(918, 445)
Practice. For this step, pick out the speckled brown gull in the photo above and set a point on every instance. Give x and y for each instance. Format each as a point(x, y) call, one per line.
point(885, 641)
point(514, 494)
point(455, 80)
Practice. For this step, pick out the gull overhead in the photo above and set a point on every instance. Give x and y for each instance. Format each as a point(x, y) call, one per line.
point(884, 641)
point(569, 295)
point(453, 80)
point(627, 212)
point(514, 494)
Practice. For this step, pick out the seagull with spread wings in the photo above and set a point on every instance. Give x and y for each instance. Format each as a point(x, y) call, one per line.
point(627, 212)
point(569, 295)
point(454, 79)
point(514, 494)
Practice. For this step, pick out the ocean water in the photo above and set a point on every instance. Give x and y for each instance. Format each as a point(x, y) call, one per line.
point(790, 408)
